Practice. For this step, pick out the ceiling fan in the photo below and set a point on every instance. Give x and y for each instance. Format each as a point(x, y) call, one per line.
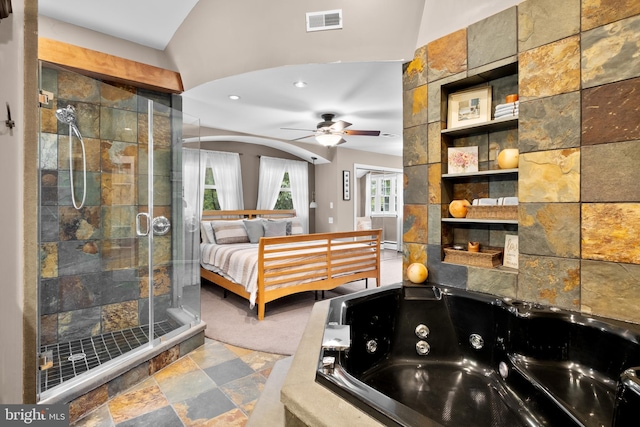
point(329, 133)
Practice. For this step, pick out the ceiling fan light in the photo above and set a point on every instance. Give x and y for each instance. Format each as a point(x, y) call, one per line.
point(328, 139)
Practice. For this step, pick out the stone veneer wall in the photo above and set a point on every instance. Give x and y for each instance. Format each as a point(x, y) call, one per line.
point(93, 274)
point(579, 141)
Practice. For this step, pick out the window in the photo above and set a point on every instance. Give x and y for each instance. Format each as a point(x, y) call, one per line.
point(383, 197)
point(210, 192)
point(285, 201)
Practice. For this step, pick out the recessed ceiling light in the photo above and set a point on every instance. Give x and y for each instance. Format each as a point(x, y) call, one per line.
point(300, 84)
point(234, 97)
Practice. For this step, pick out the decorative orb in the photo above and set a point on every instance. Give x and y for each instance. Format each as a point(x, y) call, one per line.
point(458, 208)
point(508, 158)
point(417, 273)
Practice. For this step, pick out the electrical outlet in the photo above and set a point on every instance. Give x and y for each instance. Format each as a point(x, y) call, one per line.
point(330, 220)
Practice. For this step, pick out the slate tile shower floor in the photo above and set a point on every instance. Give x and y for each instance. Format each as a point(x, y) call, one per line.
point(215, 385)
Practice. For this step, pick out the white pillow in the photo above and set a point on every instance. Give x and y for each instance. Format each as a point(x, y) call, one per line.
point(296, 226)
point(206, 232)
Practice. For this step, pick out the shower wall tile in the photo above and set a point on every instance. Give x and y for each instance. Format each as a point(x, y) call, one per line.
point(611, 290)
point(120, 157)
point(119, 286)
point(161, 130)
point(48, 329)
point(415, 145)
point(447, 55)
point(82, 224)
point(161, 250)
point(49, 80)
point(49, 227)
point(87, 118)
point(118, 95)
point(611, 113)
point(48, 151)
point(550, 229)
point(413, 252)
point(434, 142)
point(561, 172)
point(118, 221)
point(93, 188)
point(118, 125)
point(80, 291)
point(119, 316)
point(435, 224)
point(78, 257)
point(610, 172)
point(119, 254)
point(49, 296)
point(49, 188)
point(600, 12)
point(161, 281)
point(545, 21)
point(76, 87)
point(92, 150)
point(48, 260)
point(550, 281)
point(551, 69)
point(78, 324)
point(415, 223)
point(550, 123)
point(161, 160)
point(610, 232)
point(48, 121)
point(161, 102)
point(610, 53)
point(118, 189)
point(162, 195)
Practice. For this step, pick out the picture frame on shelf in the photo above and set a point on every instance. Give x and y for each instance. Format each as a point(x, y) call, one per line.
point(510, 258)
point(346, 185)
point(462, 159)
point(469, 107)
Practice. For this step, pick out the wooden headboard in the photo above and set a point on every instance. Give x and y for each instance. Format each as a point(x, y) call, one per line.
point(247, 214)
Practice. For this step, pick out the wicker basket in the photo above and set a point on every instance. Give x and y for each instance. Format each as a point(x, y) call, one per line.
point(492, 212)
point(485, 258)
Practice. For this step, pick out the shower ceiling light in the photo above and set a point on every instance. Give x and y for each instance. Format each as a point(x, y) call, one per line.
point(300, 84)
point(234, 97)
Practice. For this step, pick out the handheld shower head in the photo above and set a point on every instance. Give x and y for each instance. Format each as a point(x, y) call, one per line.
point(67, 115)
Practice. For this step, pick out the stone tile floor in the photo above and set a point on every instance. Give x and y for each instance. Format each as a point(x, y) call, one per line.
point(215, 385)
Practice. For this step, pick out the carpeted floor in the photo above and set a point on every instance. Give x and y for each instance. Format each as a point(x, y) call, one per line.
point(231, 321)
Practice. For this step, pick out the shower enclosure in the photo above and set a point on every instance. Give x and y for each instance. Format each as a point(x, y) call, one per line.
point(116, 260)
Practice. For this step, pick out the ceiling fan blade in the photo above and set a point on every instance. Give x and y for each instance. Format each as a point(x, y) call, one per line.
point(362, 132)
point(303, 137)
point(340, 125)
point(306, 130)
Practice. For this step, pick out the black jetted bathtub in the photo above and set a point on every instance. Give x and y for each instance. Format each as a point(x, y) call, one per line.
point(436, 356)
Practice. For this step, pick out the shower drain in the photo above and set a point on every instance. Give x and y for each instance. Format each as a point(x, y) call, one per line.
point(76, 357)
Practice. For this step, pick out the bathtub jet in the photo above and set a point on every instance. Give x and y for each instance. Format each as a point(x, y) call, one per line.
point(436, 356)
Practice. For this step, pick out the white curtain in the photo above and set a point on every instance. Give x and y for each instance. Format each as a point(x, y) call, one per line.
point(299, 179)
point(193, 193)
point(272, 172)
point(228, 178)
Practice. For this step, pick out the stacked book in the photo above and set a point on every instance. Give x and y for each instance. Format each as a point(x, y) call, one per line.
point(510, 109)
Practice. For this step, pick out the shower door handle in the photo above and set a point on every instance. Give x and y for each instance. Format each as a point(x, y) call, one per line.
point(139, 231)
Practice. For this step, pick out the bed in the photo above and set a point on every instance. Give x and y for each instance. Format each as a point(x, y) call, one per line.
point(272, 267)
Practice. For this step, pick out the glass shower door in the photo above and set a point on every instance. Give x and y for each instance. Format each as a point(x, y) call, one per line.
point(110, 227)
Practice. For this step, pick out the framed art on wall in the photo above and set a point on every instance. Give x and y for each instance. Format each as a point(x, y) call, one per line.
point(346, 185)
point(469, 107)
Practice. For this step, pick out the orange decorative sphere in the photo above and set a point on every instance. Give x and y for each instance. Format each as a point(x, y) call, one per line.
point(458, 208)
point(417, 273)
point(508, 158)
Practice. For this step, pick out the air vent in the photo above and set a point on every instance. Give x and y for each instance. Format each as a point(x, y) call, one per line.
point(327, 20)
